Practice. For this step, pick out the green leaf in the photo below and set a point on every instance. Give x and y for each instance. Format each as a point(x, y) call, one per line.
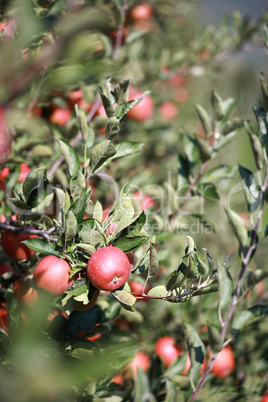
point(249, 316)
point(112, 128)
point(191, 149)
point(100, 153)
point(218, 173)
point(256, 146)
point(70, 157)
point(190, 247)
point(228, 397)
point(98, 211)
point(206, 290)
point(172, 198)
point(64, 199)
point(251, 189)
point(205, 119)
point(42, 246)
point(79, 287)
point(88, 249)
point(82, 119)
point(183, 175)
point(142, 388)
point(174, 280)
point(81, 181)
point(217, 105)
point(43, 204)
point(191, 272)
point(153, 262)
point(124, 148)
point(200, 262)
point(232, 125)
point(70, 226)
point(92, 237)
point(135, 227)
point(158, 291)
point(225, 286)
point(196, 349)
point(35, 187)
point(205, 150)
point(121, 92)
point(79, 206)
point(208, 191)
point(214, 338)
point(173, 394)
point(261, 117)
point(126, 299)
point(122, 215)
point(107, 104)
point(127, 244)
point(238, 227)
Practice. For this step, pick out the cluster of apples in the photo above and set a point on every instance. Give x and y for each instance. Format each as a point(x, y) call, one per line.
point(168, 352)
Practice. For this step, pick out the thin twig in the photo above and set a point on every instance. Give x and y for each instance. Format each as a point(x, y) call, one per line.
point(38, 232)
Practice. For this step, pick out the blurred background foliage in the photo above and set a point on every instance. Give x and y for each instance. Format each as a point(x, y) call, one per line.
point(56, 47)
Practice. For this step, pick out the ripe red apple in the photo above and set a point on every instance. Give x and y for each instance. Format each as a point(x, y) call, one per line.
point(169, 111)
point(118, 379)
point(24, 171)
point(224, 363)
point(108, 268)
point(142, 12)
point(137, 287)
point(12, 246)
point(24, 292)
point(4, 173)
point(141, 361)
point(264, 398)
point(52, 274)
point(60, 116)
point(143, 110)
point(5, 139)
point(167, 350)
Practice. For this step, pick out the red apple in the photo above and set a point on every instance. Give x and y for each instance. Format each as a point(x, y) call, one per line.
point(143, 110)
point(24, 292)
point(108, 268)
point(118, 379)
point(24, 171)
point(60, 116)
point(141, 361)
point(167, 350)
point(224, 364)
point(169, 111)
point(53, 275)
point(12, 246)
point(142, 12)
point(137, 287)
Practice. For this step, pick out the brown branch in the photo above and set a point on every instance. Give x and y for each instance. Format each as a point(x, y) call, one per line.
point(18, 229)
